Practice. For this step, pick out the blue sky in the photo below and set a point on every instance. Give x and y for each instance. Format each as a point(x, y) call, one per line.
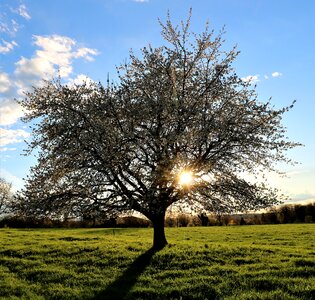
point(90, 37)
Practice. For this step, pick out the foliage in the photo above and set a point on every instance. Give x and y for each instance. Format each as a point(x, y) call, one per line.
point(294, 213)
point(237, 262)
point(179, 107)
point(6, 195)
point(132, 222)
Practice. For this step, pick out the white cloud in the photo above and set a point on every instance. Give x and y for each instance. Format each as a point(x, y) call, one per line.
point(5, 149)
point(79, 80)
point(53, 44)
point(140, 1)
point(61, 50)
point(12, 136)
point(251, 78)
point(55, 53)
point(10, 112)
point(29, 72)
point(276, 74)
point(22, 11)
point(5, 82)
point(6, 47)
point(86, 53)
point(255, 78)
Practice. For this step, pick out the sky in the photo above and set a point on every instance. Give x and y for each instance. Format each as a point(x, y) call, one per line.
point(80, 39)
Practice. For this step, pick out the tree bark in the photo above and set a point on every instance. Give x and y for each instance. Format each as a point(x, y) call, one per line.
point(159, 239)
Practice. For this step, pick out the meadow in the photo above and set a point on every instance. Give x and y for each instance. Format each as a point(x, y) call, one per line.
point(232, 262)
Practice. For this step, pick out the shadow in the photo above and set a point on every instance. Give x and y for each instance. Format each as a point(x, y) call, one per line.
point(120, 288)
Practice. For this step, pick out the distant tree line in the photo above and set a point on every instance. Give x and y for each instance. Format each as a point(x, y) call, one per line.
point(291, 213)
point(294, 213)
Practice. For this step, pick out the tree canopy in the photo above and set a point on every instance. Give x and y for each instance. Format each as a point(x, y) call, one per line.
point(179, 110)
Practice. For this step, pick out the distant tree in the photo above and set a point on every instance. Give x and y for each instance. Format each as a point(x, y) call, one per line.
point(310, 212)
point(179, 127)
point(242, 221)
point(270, 217)
point(182, 220)
point(203, 219)
point(300, 212)
point(6, 195)
point(286, 214)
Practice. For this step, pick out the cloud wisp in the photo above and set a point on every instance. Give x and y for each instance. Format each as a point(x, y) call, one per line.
point(9, 18)
point(6, 47)
point(10, 27)
point(251, 79)
point(22, 11)
point(276, 74)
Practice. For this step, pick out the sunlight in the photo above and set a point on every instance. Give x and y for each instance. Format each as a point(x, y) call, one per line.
point(185, 178)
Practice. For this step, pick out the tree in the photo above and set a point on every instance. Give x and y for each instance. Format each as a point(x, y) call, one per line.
point(180, 127)
point(5, 195)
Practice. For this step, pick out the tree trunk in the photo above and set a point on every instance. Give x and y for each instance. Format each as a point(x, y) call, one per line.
point(159, 239)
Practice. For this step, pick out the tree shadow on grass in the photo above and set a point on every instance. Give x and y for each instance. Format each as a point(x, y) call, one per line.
point(119, 289)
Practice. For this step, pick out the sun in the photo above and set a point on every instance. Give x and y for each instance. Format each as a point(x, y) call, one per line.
point(185, 178)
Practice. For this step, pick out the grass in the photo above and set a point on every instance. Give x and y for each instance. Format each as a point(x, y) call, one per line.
point(241, 262)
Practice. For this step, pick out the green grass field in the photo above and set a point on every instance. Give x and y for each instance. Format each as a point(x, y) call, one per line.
point(243, 262)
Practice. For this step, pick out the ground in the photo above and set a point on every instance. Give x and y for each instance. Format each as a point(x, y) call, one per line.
point(234, 262)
